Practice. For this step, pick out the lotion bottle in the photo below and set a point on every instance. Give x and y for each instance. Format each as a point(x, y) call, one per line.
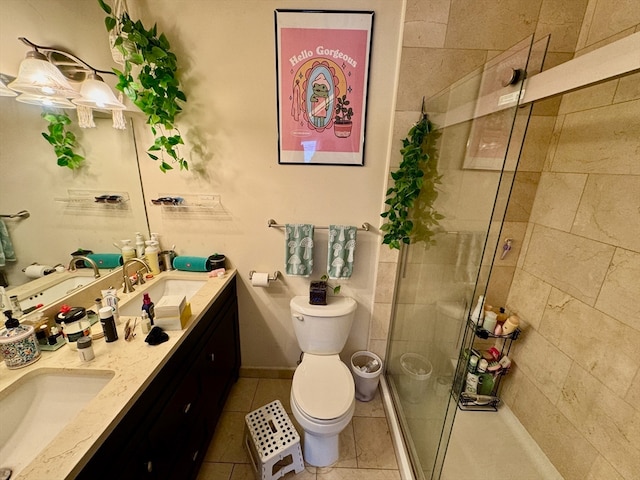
point(139, 245)
point(149, 307)
point(128, 252)
point(478, 312)
point(151, 255)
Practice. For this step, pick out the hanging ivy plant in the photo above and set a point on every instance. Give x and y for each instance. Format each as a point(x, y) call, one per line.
point(156, 88)
point(62, 140)
point(410, 215)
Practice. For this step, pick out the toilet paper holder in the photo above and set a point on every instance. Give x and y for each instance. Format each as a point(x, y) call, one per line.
point(271, 278)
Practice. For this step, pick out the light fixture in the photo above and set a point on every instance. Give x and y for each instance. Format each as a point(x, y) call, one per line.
point(45, 101)
point(38, 76)
point(4, 90)
point(94, 93)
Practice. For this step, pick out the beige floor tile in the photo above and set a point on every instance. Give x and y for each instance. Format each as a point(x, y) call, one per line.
point(270, 389)
point(374, 447)
point(215, 471)
point(241, 395)
point(357, 474)
point(226, 445)
point(372, 408)
point(347, 454)
point(245, 472)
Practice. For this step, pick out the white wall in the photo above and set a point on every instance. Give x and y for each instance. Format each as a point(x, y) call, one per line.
point(227, 52)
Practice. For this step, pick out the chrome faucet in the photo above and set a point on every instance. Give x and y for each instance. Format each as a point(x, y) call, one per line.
point(128, 287)
point(74, 260)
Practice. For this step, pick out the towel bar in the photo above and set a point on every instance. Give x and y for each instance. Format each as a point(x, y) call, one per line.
point(20, 214)
point(272, 223)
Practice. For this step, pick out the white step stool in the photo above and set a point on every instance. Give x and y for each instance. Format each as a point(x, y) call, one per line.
point(272, 442)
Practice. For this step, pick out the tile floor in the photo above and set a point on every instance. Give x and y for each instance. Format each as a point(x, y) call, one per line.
point(366, 449)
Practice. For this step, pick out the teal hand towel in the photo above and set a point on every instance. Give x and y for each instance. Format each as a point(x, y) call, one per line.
point(105, 260)
point(298, 246)
point(7, 254)
point(342, 245)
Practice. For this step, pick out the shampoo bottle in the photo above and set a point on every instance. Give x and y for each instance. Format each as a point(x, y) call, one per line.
point(151, 255)
point(148, 307)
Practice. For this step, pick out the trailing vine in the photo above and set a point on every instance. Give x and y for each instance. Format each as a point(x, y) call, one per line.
point(62, 140)
point(156, 88)
point(410, 215)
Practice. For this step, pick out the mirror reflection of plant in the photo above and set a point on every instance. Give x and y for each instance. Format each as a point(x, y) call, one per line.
point(62, 140)
point(410, 215)
point(156, 90)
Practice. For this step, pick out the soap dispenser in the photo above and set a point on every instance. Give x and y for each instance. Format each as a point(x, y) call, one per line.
point(18, 343)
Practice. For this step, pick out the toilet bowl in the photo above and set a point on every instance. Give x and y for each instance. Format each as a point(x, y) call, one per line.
point(323, 402)
point(322, 390)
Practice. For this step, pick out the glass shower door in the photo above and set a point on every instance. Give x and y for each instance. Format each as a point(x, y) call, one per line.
point(480, 129)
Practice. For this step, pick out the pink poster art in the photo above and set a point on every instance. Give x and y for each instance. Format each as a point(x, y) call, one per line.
point(323, 67)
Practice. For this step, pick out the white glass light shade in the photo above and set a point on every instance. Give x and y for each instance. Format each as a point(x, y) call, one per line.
point(37, 76)
point(95, 93)
point(5, 91)
point(45, 101)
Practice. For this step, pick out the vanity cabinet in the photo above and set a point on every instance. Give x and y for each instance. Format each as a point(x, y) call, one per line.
point(165, 433)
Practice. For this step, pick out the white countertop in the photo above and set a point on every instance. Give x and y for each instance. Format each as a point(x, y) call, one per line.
point(133, 363)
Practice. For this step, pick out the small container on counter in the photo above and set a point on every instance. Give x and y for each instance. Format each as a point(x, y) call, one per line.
point(108, 324)
point(18, 344)
point(73, 323)
point(85, 349)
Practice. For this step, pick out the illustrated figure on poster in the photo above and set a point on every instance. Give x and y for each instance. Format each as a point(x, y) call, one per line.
point(318, 95)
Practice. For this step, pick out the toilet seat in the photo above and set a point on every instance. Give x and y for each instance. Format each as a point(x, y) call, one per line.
point(323, 388)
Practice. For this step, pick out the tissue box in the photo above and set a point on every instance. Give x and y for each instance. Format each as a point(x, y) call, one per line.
point(174, 322)
point(170, 306)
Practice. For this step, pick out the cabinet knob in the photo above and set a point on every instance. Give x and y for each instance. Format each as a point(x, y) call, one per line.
point(195, 455)
point(150, 466)
point(212, 356)
point(187, 407)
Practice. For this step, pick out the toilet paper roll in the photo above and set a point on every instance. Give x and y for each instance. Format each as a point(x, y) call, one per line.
point(260, 279)
point(37, 271)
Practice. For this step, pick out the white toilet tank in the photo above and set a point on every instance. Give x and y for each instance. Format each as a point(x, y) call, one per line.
point(322, 329)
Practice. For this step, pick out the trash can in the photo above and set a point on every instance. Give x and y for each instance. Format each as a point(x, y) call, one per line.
point(414, 380)
point(366, 368)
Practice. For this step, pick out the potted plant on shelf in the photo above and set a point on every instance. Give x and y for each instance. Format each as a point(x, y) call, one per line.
point(318, 290)
point(342, 122)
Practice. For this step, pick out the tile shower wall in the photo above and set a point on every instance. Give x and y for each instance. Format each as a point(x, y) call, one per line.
point(576, 226)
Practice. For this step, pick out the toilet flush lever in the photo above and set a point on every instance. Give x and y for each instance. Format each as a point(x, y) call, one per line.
point(298, 316)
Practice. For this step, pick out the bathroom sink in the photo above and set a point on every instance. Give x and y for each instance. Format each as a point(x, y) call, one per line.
point(37, 407)
point(166, 286)
point(56, 291)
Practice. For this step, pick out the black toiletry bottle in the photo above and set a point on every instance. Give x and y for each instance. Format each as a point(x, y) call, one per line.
point(108, 324)
point(148, 306)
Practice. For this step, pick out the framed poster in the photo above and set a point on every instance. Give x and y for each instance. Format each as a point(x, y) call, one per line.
point(322, 63)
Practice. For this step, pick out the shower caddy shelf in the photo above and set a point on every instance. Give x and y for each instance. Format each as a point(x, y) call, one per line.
point(473, 335)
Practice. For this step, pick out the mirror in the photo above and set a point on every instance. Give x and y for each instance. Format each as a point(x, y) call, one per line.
point(64, 215)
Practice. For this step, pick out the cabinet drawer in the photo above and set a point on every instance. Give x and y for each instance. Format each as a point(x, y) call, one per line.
point(178, 413)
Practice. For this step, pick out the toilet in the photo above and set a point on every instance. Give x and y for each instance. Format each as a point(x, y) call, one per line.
point(323, 390)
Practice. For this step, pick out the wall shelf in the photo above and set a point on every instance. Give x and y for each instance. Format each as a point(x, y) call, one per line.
point(191, 205)
point(96, 200)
